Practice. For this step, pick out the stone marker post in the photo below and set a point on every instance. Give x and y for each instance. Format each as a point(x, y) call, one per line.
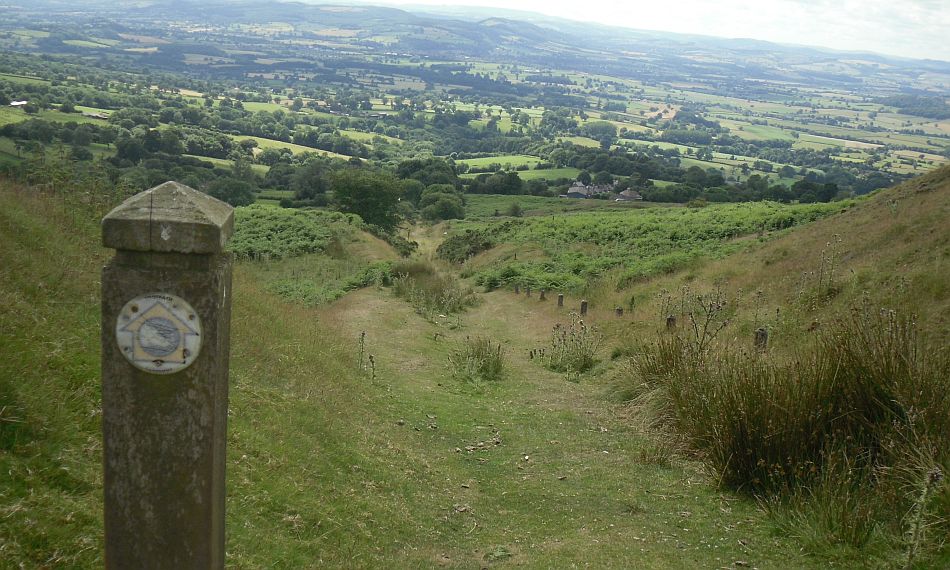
point(583, 308)
point(619, 311)
point(761, 338)
point(560, 299)
point(166, 309)
point(670, 322)
point(541, 296)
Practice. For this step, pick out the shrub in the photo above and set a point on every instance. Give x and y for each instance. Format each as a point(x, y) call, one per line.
point(459, 248)
point(573, 348)
point(478, 360)
point(261, 231)
point(428, 291)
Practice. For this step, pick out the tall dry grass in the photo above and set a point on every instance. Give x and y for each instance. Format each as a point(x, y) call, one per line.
point(842, 434)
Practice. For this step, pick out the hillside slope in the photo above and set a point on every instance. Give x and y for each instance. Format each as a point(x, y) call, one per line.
point(891, 250)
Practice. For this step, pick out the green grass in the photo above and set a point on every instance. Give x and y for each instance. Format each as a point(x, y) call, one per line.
point(296, 148)
point(368, 137)
point(551, 174)
point(581, 141)
point(225, 163)
point(50, 446)
point(23, 79)
point(506, 160)
point(10, 115)
point(567, 172)
point(85, 44)
point(55, 116)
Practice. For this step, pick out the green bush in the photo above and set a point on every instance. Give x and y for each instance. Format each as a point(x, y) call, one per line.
point(264, 231)
point(459, 248)
point(428, 291)
point(640, 243)
point(478, 360)
point(573, 348)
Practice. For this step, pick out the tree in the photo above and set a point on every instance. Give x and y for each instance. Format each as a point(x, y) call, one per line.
point(309, 180)
point(441, 206)
point(603, 178)
point(230, 190)
point(584, 177)
point(373, 196)
point(82, 136)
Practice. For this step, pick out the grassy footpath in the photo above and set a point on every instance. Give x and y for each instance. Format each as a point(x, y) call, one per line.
point(415, 469)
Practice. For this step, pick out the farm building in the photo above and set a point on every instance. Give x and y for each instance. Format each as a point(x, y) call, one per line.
point(628, 195)
point(580, 190)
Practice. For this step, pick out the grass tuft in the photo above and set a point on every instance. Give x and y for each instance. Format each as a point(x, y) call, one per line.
point(430, 292)
point(573, 348)
point(477, 360)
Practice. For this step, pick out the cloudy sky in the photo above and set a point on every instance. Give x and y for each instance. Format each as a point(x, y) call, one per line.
point(909, 28)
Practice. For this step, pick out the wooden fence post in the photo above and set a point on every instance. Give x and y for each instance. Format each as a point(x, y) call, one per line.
point(166, 311)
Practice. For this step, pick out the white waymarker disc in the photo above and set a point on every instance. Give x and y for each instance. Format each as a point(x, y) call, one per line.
point(159, 333)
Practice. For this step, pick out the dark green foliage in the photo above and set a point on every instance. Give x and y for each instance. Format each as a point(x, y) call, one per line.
point(921, 106)
point(261, 231)
point(371, 195)
point(443, 207)
point(428, 171)
point(459, 247)
point(232, 190)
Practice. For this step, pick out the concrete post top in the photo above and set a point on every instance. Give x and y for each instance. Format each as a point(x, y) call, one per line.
point(169, 218)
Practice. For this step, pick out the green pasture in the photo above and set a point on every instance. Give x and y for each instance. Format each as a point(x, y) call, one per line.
point(506, 160)
point(86, 44)
point(224, 163)
point(296, 148)
point(581, 141)
point(23, 79)
point(550, 173)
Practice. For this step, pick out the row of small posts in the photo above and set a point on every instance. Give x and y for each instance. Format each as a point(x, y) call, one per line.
point(761, 339)
point(542, 296)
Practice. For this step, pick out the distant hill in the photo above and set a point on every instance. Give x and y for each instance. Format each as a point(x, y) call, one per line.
point(505, 36)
